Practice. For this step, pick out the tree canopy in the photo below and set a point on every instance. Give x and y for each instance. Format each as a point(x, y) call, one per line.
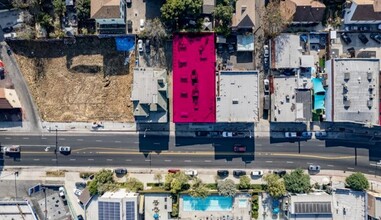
point(223, 14)
point(103, 181)
point(297, 181)
point(177, 13)
point(154, 30)
point(275, 186)
point(244, 182)
point(176, 182)
point(198, 189)
point(357, 181)
point(83, 9)
point(226, 188)
point(273, 21)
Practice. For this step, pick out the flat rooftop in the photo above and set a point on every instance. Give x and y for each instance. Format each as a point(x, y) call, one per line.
point(286, 51)
point(194, 78)
point(355, 87)
point(17, 210)
point(284, 99)
point(237, 98)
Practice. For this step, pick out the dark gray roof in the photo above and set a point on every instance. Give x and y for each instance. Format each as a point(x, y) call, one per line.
point(246, 22)
point(365, 13)
point(313, 208)
point(308, 14)
point(304, 96)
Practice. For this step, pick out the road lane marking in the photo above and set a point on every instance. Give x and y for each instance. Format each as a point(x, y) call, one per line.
point(350, 168)
point(330, 165)
point(289, 162)
point(8, 138)
point(118, 142)
point(310, 163)
point(187, 161)
point(313, 156)
point(79, 139)
point(147, 160)
point(90, 159)
point(269, 161)
point(54, 159)
point(36, 159)
point(136, 142)
point(72, 159)
point(61, 139)
point(370, 171)
point(109, 159)
point(25, 138)
point(128, 160)
point(98, 140)
point(156, 143)
point(167, 160)
point(44, 138)
point(207, 161)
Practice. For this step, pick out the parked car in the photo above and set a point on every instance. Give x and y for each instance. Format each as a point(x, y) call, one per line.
point(290, 135)
point(314, 168)
point(222, 173)
point(202, 133)
point(61, 191)
point(239, 148)
point(80, 217)
point(148, 46)
point(321, 134)
point(10, 35)
point(120, 171)
point(80, 185)
point(77, 192)
point(376, 37)
point(140, 45)
point(266, 83)
point(228, 134)
point(13, 149)
point(64, 149)
point(345, 38)
point(173, 170)
point(141, 27)
point(191, 172)
point(280, 173)
point(129, 26)
point(307, 135)
point(257, 173)
point(266, 51)
point(239, 173)
point(363, 38)
point(8, 29)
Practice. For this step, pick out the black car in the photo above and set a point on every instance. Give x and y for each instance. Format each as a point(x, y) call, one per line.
point(8, 29)
point(239, 173)
point(148, 46)
point(376, 37)
point(345, 38)
point(120, 171)
point(280, 173)
point(363, 38)
point(222, 173)
point(80, 217)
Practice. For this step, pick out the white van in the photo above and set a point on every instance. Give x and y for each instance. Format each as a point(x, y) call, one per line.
point(257, 173)
point(12, 149)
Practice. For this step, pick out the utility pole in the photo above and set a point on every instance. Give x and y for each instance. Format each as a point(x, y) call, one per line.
point(56, 140)
point(16, 175)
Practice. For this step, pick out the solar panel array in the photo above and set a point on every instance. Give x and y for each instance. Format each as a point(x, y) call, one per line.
point(108, 210)
point(130, 210)
point(313, 208)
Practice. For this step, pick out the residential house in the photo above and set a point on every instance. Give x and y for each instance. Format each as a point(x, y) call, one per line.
point(109, 16)
point(363, 12)
point(150, 95)
point(303, 11)
point(244, 16)
point(118, 205)
point(353, 90)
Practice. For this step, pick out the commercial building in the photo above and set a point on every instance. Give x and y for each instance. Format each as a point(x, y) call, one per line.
point(157, 206)
point(286, 52)
point(149, 95)
point(17, 210)
point(237, 96)
point(374, 205)
point(194, 80)
point(353, 90)
point(309, 206)
point(119, 205)
point(109, 16)
point(9, 99)
point(348, 204)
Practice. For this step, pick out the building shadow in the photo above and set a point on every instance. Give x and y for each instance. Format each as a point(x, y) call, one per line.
point(153, 8)
point(153, 137)
point(278, 131)
point(374, 149)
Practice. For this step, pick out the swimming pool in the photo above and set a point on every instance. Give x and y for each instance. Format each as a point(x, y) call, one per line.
point(242, 203)
point(210, 203)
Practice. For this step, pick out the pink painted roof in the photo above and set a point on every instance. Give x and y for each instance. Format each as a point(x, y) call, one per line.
point(194, 80)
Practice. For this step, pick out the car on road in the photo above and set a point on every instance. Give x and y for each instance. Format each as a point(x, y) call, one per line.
point(173, 170)
point(313, 168)
point(202, 133)
point(257, 173)
point(290, 134)
point(64, 149)
point(321, 134)
point(280, 173)
point(140, 45)
point(306, 135)
point(345, 38)
point(363, 38)
point(228, 134)
point(376, 37)
point(120, 171)
point(239, 148)
point(13, 149)
point(239, 173)
point(77, 192)
point(191, 173)
point(222, 173)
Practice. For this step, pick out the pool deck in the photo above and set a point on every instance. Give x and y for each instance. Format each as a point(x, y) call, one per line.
point(236, 213)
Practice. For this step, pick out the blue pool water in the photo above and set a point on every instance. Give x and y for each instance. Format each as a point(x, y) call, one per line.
point(210, 203)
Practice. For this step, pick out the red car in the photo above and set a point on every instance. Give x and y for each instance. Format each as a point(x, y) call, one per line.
point(239, 148)
point(173, 170)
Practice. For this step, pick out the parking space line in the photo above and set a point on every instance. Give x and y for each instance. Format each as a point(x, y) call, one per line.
point(269, 161)
point(109, 159)
point(187, 161)
point(72, 159)
point(167, 160)
point(350, 168)
point(8, 138)
point(79, 139)
point(90, 159)
point(289, 162)
point(207, 161)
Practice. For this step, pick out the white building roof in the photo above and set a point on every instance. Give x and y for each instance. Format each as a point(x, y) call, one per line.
point(287, 51)
point(237, 98)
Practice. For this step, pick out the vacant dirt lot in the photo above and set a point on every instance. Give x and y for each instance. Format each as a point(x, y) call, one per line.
point(81, 81)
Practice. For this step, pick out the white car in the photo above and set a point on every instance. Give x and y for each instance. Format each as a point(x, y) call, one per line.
point(290, 135)
point(191, 172)
point(266, 51)
point(12, 149)
point(257, 173)
point(77, 192)
point(64, 149)
point(141, 27)
point(10, 35)
point(140, 45)
point(62, 191)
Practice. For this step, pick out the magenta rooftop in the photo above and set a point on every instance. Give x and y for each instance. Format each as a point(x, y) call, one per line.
point(194, 81)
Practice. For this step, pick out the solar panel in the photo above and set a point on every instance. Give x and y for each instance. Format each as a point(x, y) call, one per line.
point(313, 208)
point(108, 210)
point(130, 210)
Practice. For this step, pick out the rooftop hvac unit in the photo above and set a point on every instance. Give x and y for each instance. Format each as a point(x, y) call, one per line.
point(370, 103)
point(345, 97)
point(369, 75)
point(347, 75)
point(370, 88)
point(370, 96)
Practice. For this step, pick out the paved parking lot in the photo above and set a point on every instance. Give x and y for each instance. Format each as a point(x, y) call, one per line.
point(142, 9)
point(371, 49)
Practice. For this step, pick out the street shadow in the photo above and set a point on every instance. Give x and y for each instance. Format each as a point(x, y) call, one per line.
point(188, 134)
point(374, 149)
point(153, 137)
point(278, 130)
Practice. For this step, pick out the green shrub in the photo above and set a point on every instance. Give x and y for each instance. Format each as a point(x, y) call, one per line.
point(212, 186)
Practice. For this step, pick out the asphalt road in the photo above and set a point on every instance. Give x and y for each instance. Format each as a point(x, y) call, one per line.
point(131, 150)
